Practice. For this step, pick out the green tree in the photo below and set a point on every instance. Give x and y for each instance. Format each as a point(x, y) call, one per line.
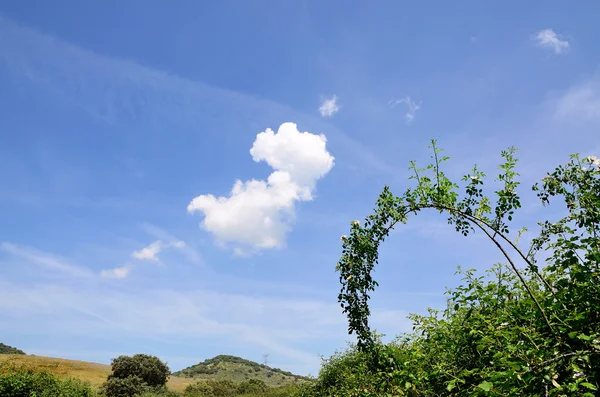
point(5, 349)
point(134, 375)
point(150, 369)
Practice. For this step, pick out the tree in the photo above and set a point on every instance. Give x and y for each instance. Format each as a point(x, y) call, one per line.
point(150, 369)
point(5, 349)
point(135, 375)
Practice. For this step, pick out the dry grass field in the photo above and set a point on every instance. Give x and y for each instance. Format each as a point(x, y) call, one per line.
point(93, 373)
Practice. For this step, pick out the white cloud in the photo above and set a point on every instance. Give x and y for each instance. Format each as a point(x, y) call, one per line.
point(150, 253)
point(258, 214)
point(547, 38)
point(412, 106)
point(329, 107)
point(580, 102)
point(117, 272)
point(163, 235)
point(44, 259)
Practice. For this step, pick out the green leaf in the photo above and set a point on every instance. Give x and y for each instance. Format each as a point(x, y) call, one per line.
point(451, 385)
point(589, 386)
point(485, 385)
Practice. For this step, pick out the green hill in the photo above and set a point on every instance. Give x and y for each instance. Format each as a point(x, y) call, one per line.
point(237, 369)
point(5, 349)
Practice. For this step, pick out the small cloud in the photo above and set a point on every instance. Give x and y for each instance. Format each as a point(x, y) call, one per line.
point(329, 107)
point(118, 272)
point(547, 38)
point(258, 214)
point(150, 253)
point(473, 39)
point(163, 235)
point(178, 244)
point(413, 107)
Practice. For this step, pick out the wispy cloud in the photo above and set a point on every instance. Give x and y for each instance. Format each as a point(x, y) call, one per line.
point(190, 252)
point(62, 266)
point(412, 107)
point(117, 272)
point(329, 107)
point(273, 324)
point(581, 102)
point(142, 100)
point(547, 38)
point(258, 214)
point(150, 252)
point(44, 259)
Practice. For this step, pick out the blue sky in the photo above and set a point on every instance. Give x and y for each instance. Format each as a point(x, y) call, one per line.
point(126, 124)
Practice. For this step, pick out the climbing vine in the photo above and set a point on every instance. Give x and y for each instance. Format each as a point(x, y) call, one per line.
point(563, 330)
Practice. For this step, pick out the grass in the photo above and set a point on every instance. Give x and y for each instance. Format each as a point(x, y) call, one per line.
point(93, 373)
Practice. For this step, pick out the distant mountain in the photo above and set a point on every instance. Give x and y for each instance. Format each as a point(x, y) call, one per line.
point(238, 369)
point(5, 349)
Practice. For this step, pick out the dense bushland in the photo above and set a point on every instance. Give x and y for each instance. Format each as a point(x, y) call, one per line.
point(520, 330)
point(249, 388)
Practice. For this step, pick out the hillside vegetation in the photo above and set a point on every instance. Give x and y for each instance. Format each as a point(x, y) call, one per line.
point(5, 349)
point(224, 367)
point(93, 373)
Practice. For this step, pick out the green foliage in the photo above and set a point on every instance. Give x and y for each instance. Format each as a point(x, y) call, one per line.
point(516, 331)
point(20, 383)
point(252, 386)
point(160, 392)
point(125, 387)
point(150, 369)
point(136, 375)
point(224, 388)
point(249, 388)
point(5, 349)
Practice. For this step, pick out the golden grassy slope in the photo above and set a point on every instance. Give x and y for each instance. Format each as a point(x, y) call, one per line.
point(93, 373)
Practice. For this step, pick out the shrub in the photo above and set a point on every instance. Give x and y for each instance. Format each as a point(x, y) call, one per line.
point(160, 392)
point(517, 331)
point(252, 386)
point(125, 387)
point(21, 383)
